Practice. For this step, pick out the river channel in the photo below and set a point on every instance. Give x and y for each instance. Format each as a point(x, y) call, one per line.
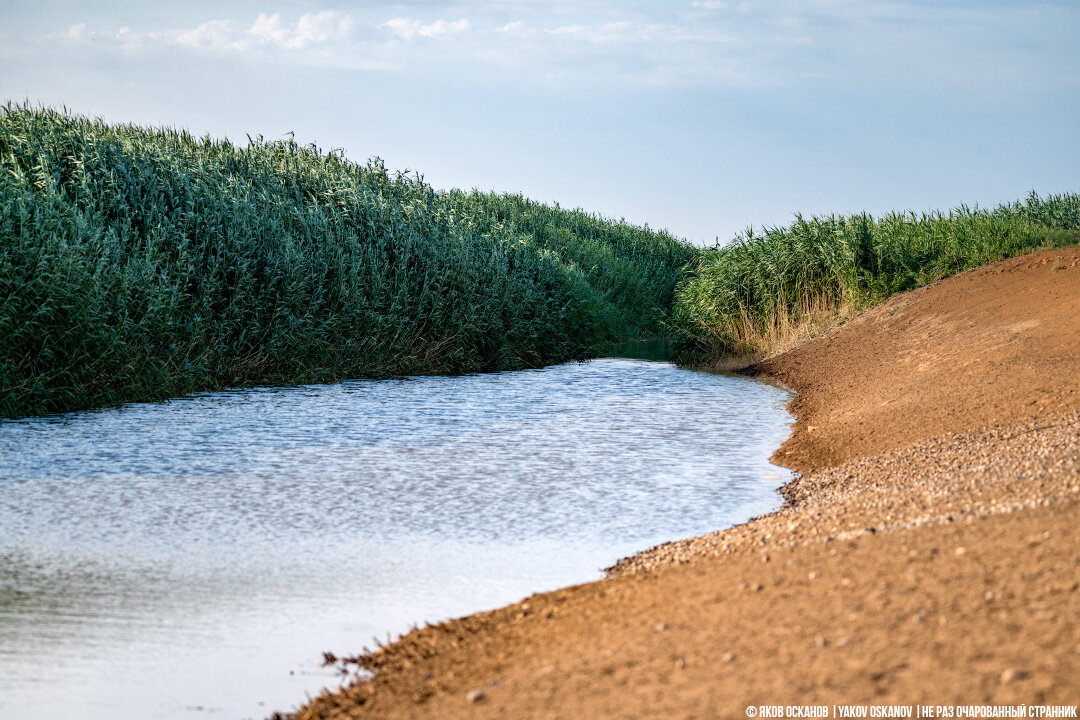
point(194, 558)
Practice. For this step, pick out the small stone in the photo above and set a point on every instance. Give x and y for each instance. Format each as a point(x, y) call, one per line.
point(815, 575)
point(844, 641)
point(961, 550)
point(821, 641)
point(758, 587)
point(680, 663)
point(660, 627)
point(474, 696)
point(730, 656)
point(919, 618)
point(1012, 675)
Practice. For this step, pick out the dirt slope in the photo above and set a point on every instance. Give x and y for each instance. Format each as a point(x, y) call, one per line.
point(995, 345)
point(930, 554)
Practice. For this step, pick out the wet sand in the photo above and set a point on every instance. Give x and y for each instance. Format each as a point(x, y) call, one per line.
point(929, 553)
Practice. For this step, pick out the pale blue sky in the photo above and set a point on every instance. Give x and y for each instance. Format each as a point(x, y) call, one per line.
point(699, 117)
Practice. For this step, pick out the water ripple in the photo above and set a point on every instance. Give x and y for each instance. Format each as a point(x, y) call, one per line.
point(192, 553)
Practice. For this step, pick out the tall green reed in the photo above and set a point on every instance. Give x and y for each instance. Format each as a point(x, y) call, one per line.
point(750, 297)
point(142, 263)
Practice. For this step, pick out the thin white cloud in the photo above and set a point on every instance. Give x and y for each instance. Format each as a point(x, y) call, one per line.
point(408, 29)
point(620, 31)
point(75, 32)
point(323, 39)
point(216, 35)
point(268, 30)
point(517, 26)
point(327, 26)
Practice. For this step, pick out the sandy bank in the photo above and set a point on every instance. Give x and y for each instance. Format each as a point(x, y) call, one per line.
point(928, 554)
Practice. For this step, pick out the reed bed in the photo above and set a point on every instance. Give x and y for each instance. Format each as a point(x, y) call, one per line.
point(142, 263)
point(768, 290)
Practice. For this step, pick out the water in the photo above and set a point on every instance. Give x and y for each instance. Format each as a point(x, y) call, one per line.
point(194, 558)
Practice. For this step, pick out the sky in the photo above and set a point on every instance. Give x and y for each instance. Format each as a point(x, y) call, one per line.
point(702, 117)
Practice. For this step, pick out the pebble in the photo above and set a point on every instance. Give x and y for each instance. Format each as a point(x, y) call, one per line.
point(475, 696)
point(821, 641)
point(660, 627)
point(815, 575)
point(730, 656)
point(1012, 675)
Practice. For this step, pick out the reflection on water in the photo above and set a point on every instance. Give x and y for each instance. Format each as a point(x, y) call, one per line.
point(658, 349)
point(175, 559)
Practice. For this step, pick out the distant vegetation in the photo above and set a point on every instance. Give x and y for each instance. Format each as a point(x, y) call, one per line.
point(767, 290)
point(143, 263)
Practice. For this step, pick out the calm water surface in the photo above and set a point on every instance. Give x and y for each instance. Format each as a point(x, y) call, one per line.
point(194, 558)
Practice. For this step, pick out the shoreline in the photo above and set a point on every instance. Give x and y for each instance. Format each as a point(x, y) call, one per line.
point(925, 553)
